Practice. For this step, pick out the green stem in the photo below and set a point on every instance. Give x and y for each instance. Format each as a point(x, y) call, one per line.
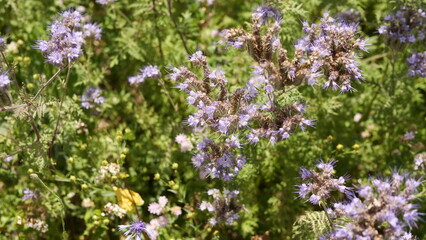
point(393, 79)
point(62, 203)
point(169, 7)
point(55, 132)
point(168, 95)
point(323, 205)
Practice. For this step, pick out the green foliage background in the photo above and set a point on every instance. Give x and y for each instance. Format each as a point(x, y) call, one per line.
point(137, 126)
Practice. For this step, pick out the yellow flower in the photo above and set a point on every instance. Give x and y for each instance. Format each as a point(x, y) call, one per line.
point(127, 199)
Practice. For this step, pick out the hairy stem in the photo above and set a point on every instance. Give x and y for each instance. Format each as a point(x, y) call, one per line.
point(35, 96)
point(47, 83)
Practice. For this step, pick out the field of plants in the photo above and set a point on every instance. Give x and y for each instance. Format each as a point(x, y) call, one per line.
point(213, 119)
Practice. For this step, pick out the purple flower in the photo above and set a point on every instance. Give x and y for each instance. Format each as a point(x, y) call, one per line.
point(405, 26)
point(319, 185)
point(2, 44)
point(105, 2)
point(55, 58)
point(198, 58)
point(225, 206)
point(384, 210)
point(223, 125)
point(28, 194)
point(335, 59)
point(92, 30)
point(417, 65)
point(135, 230)
point(4, 80)
point(147, 72)
point(91, 98)
point(67, 38)
point(410, 135)
point(263, 13)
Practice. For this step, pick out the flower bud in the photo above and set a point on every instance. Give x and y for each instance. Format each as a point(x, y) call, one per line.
point(157, 176)
point(175, 166)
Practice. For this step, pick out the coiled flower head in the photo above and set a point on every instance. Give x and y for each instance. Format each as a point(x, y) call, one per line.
point(331, 49)
point(92, 98)
point(318, 185)
point(381, 209)
point(417, 64)
point(405, 26)
point(225, 206)
point(67, 37)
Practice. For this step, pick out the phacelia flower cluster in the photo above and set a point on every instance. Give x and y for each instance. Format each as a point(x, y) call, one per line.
point(263, 13)
point(218, 160)
point(92, 98)
point(417, 65)
point(261, 109)
point(67, 36)
point(405, 26)
point(328, 50)
point(225, 206)
point(382, 209)
point(147, 72)
point(420, 161)
point(317, 186)
point(237, 116)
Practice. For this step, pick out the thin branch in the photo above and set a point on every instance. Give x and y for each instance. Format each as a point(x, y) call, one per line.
point(168, 95)
point(375, 57)
point(47, 83)
point(2, 109)
point(169, 7)
point(62, 203)
point(12, 107)
point(157, 30)
point(328, 216)
point(20, 150)
point(37, 132)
